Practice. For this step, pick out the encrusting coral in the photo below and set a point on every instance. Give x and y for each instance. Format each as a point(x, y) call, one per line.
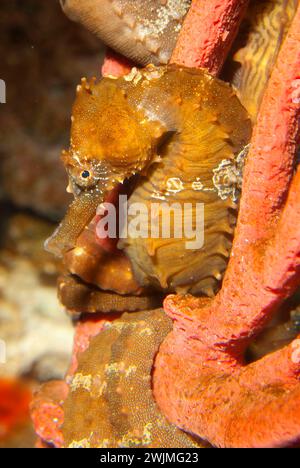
point(119, 382)
point(201, 381)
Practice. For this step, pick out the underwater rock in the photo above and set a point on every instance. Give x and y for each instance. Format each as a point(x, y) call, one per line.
point(37, 334)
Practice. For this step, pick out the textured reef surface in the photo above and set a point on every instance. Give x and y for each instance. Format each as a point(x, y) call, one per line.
point(118, 380)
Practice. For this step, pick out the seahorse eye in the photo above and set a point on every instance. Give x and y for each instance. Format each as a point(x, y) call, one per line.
point(85, 174)
point(83, 179)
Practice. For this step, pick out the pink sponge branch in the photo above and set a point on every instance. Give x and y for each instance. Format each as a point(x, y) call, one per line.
point(208, 33)
point(282, 262)
point(265, 275)
point(249, 291)
point(262, 278)
point(115, 64)
point(200, 379)
point(276, 137)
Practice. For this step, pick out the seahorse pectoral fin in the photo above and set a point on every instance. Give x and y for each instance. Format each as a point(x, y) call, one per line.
point(80, 213)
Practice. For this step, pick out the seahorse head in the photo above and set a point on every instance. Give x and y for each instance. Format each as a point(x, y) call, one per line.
point(111, 140)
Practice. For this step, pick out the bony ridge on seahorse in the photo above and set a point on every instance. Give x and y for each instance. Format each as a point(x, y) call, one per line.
point(165, 124)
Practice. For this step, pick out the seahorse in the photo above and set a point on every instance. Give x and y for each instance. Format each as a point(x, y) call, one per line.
point(179, 133)
point(248, 70)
